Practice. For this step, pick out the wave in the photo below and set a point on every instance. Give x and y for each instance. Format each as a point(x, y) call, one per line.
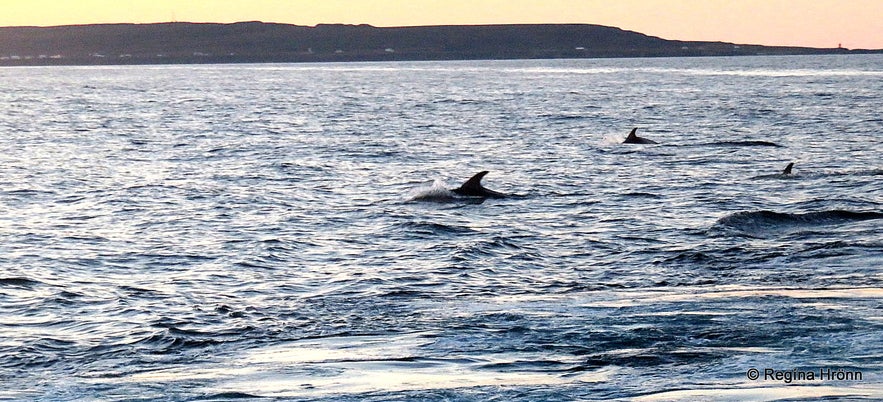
point(640, 194)
point(755, 143)
point(869, 172)
point(493, 247)
point(459, 101)
point(760, 223)
point(226, 396)
point(19, 282)
point(859, 173)
point(562, 117)
point(433, 229)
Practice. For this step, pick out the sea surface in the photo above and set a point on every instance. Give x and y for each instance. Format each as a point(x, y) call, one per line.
point(285, 231)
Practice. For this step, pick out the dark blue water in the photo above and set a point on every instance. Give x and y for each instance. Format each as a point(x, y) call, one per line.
point(284, 231)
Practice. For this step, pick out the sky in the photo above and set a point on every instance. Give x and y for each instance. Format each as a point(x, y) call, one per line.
point(854, 24)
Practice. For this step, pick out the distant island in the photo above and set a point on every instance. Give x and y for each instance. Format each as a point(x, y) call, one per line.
point(258, 42)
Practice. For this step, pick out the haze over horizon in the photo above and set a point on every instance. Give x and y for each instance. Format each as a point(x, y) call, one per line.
point(853, 24)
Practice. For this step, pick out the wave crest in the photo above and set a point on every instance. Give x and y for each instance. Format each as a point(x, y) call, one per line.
point(760, 223)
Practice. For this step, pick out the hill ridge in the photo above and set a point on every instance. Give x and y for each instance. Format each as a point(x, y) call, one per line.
point(255, 41)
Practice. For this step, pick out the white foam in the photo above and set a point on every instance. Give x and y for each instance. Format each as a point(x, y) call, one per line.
point(360, 364)
point(437, 192)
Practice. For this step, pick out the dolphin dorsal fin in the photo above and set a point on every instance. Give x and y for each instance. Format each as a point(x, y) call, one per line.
point(788, 168)
point(633, 136)
point(474, 182)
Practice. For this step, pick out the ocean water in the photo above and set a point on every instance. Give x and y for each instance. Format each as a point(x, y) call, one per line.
point(285, 232)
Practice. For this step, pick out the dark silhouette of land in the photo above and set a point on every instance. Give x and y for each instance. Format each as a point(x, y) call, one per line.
point(257, 42)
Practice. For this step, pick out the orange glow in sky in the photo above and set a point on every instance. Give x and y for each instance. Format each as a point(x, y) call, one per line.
point(816, 23)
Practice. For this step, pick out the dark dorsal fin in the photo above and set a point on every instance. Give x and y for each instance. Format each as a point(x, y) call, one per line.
point(474, 183)
point(634, 139)
point(788, 168)
point(633, 136)
point(473, 188)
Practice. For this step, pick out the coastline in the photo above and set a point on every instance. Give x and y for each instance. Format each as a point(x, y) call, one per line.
point(258, 42)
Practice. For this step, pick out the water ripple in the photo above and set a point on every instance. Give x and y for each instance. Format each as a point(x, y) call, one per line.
point(196, 233)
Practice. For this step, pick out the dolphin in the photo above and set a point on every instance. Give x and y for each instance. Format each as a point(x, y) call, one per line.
point(634, 139)
point(473, 188)
point(786, 174)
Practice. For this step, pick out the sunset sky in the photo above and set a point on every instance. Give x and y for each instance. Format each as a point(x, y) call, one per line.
point(816, 23)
